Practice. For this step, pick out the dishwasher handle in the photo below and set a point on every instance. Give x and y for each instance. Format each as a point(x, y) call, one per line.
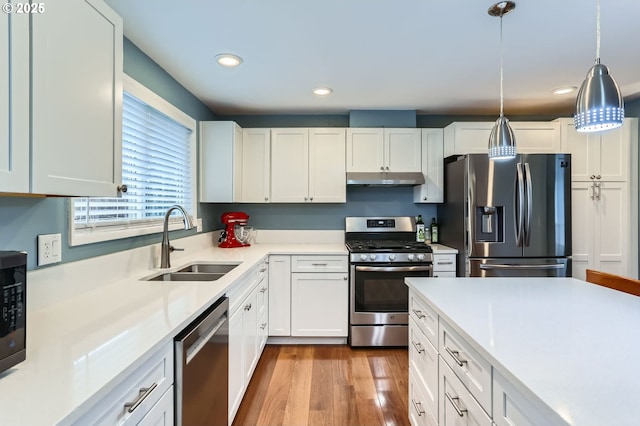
point(203, 329)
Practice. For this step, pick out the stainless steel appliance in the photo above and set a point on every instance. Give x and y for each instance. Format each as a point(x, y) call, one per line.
point(202, 365)
point(382, 252)
point(13, 308)
point(509, 217)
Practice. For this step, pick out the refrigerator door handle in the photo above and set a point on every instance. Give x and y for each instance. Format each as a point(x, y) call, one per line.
point(527, 224)
point(488, 266)
point(519, 207)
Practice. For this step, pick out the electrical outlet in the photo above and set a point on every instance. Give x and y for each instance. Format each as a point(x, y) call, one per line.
point(49, 249)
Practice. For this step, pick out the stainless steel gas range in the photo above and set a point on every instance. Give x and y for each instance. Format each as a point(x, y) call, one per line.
point(382, 252)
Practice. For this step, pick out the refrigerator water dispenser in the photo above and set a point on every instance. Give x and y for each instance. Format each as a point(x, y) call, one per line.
point(489, 224)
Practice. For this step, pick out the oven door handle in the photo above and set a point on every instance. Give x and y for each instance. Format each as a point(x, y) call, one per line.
point(394, 268)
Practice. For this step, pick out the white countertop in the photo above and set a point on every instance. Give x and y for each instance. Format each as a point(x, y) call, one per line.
point(571, 343)
point(79, 347)
point(440, 249)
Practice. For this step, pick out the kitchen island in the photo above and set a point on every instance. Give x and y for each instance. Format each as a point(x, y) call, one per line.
point(554, 350)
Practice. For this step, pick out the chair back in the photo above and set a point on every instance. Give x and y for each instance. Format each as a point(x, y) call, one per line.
point(616, 282)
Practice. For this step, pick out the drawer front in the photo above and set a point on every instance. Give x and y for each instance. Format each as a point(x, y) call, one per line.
point(419, 413)
point(457, 405)
point(444, 262)
point(319, 264)
point(425, 317)
point(263, 296)
point(423, 364)
point(146, 385)
point(245, 285)
point(473, 370)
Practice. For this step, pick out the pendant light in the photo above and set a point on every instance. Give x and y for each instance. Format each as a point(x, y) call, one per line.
point(502, 142)
point(599, 105)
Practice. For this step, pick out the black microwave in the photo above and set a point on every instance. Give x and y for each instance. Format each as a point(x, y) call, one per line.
point(13, 308)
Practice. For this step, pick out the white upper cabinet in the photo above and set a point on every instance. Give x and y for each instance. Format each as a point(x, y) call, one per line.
point(432, 191)
point(14, 103)
point(383, 149)
point(307, 165)
point(220, 161)
point(76, 99)
point(256, 166)
point(599, 156)
point(532, 137)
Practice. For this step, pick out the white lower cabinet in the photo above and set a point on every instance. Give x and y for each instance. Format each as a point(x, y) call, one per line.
point(432, 190)
point(423, 361)
point(444, 265)
point(246, 311)
point(457, 405)
point(419, 414)
point(146, 394)
point(309, 296)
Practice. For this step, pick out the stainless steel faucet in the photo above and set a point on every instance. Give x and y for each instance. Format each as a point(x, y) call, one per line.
point(167, 248)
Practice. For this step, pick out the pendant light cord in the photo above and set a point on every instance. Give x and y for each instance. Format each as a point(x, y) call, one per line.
point(501, 70)
point(598, 32)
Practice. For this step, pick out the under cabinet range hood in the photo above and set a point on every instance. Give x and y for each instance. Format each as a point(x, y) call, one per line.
point(384, 178)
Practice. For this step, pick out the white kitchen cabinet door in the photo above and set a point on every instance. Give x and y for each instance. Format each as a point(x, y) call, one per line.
point(532, 137)
point(319, 304)
point(220, 161)
point(457, 405)
point(289, 165)
point(403, 150)
point(365, 150)
point(432, 191)
point(605, 154)
point(76, 103)
point(14, 103)
point(327, 178)
point(162, 413)
point(279, 295)
point(423, 364)
point(251, 342)
point(601, 239)
point(256, 166)
point(236, 363)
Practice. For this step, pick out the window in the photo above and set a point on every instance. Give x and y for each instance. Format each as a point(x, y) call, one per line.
point(158, 161)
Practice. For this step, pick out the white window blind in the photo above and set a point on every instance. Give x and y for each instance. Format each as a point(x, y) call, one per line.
point(156, 167)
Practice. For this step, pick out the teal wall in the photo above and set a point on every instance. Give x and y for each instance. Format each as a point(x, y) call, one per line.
point(23, 218)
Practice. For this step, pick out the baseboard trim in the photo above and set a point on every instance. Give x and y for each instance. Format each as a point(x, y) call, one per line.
point(276, 340)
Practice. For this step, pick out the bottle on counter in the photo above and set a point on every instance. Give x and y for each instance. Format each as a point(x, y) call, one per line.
point(434, 231)
point(420, 235)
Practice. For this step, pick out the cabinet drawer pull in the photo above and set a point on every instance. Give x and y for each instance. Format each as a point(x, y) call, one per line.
point(454, 401)
point(263, 269)
point(263, 325)
point(419, 313)
point(263, 289)
point(418, 346)
point(445, 263)
point(456, 358)
point(247, 307)
point(418, 407)
point(144, 393)
point(318, 264)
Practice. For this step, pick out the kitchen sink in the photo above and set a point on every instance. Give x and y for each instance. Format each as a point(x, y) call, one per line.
point(185, 276)
point(215, 268)
point(194, 272)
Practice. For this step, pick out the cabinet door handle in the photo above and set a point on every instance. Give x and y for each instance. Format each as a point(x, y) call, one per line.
point(424, 198)
point(247, 307)
point(345, 278)
point(597, 184)
point(382, 168)
point(144, 393)
point(419, 313)
point(266, 198)
point(592, 176)
point(263, 289)
point(598, 177)
point(418, 407)
point(455, 356)
point(418, 346)
point(263, 269)
point(454, 401)
point(263, 326)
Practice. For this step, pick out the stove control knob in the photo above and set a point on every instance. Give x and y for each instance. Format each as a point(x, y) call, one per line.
point(421, 257)
point(392, 257)
point(363, 257)
point(372, 256)
point(411, 256)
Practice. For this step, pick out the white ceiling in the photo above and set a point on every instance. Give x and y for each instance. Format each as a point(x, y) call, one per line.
point(435, 57)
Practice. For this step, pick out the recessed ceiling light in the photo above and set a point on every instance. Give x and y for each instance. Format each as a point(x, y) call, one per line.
point(228, 60)
point(563, 90)
point(322, 91)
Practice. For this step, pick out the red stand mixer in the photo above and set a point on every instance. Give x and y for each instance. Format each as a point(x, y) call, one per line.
point(229, 238)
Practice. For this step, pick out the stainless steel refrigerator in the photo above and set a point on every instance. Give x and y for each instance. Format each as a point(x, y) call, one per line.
point(508, 217)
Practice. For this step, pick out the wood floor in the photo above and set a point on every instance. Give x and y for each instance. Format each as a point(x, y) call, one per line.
point(332, 385)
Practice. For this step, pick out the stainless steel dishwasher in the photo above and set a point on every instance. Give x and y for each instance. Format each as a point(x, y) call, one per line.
point(202, 364)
